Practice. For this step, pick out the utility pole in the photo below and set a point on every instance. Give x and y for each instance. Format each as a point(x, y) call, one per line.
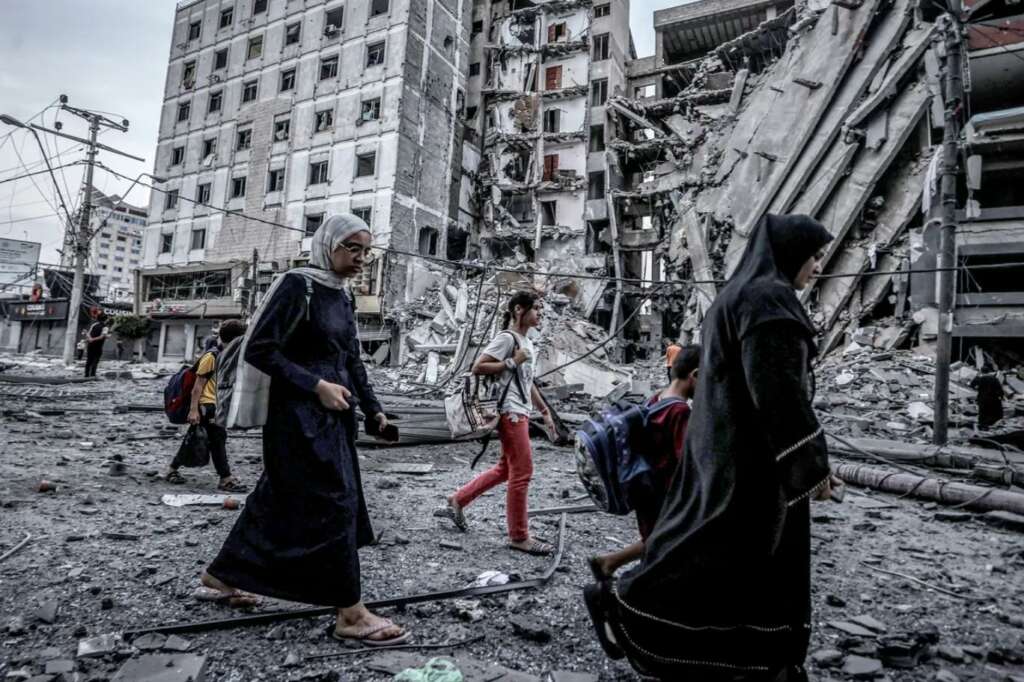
point(254, 287)
point(947, 275)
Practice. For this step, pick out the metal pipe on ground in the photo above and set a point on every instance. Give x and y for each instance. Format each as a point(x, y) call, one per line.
point(963, 495)
point(316, 612)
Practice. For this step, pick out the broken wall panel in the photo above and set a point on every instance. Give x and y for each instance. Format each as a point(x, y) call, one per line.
point(781, 116)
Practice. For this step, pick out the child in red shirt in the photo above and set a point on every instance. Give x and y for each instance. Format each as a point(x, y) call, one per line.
point(666, 434)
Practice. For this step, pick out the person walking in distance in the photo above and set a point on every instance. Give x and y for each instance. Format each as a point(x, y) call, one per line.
point(203, 409)
point(299, 534)
point(94, 339)
point(671, 351)
point(510, 356)
point(664, 436)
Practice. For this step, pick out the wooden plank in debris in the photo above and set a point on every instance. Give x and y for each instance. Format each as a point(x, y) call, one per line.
point(778, 121)
point(884, 38)
point(902, 200)
point(859, 186)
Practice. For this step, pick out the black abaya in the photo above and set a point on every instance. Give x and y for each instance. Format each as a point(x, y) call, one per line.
point(298, 534)
point(723, 589)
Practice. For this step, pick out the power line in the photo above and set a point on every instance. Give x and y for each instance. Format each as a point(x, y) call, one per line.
point(40, 172)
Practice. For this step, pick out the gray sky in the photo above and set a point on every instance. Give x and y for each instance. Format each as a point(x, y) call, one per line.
point(105, 55)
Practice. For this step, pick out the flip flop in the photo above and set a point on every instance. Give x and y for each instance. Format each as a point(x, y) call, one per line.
point(363, 637)
point(535, 548)
point(175, 478)
point(232, 486)
point(235, 598)
point(454, 514)
point(593, 598)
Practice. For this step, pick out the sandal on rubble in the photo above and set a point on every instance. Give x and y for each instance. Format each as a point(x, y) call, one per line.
point(534, 548)
point(364, 636)
point(232, 486)
point(174, 477)
point(235, 598)
point(453, 513)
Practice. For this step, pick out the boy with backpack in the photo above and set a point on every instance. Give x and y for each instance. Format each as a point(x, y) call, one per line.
point(664, 436)
point(203, 409)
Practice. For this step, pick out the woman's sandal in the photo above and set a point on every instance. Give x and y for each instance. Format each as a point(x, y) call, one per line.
point(453, 513)
point(235, 598)
point(535, 548)
point(364, 636)
point(232, 486)
point(174, 477)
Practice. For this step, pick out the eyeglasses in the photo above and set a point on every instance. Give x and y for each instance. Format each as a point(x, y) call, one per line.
point(356, 249)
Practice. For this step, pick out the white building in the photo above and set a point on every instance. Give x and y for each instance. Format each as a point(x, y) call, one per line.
point(286, 112)
point(115, 251)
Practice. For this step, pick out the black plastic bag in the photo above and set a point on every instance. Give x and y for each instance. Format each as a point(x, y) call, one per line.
point(195, 447)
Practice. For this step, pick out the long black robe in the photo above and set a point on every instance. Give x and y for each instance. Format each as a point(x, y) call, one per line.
point(298, 534)
point(723, 589)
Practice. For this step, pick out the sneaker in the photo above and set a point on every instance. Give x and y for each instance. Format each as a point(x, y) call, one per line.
point(453, 513)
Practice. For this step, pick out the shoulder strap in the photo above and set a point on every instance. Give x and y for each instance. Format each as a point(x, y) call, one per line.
point(515, 373)
point(309, 297)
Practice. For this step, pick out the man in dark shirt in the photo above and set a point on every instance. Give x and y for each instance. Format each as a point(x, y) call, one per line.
point(94, 339)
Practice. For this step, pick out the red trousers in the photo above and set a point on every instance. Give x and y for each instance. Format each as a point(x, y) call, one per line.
point(516, 467)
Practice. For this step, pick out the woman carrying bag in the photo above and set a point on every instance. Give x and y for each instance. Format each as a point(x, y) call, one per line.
point(299, 533)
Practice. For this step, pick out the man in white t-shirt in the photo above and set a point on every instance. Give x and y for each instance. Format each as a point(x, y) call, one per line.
point(511, 356)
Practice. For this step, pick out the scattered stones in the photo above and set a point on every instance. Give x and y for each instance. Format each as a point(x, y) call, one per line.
point(862, 668)
point(469, 610)
point(99, 646)
point(176, 643)
point(851, 628)
point(47, 611)
point(833, 600)
point(943, 675)
point(152, 641)
point(59, 666)
point(954, 654)
point(162, 668)
point(870, 623)
point(448, 544)
point(827, 658)
point(107, 603)
point(293, 659)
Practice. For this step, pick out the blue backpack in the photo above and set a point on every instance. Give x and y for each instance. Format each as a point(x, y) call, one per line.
point(610, 455)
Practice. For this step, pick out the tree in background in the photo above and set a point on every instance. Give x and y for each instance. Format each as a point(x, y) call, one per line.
point(133, 329)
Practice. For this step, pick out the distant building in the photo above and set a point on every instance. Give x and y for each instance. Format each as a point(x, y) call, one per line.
point(115, 251)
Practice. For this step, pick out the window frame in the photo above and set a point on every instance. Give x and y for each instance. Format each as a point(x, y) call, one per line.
point(204, 188)
point(257, 43)
point(273, 176)
point(602, 10)
point(338, 27)
point(331, 64)
point(226, 52)
point(380, 46)
point(243, 139)
point(297, 26)
point(192, 242)
point(318, 217)
point(287, 121)
point(290, 75)
point(198, 30)
point(375, 10)
point(598, 86)
point(374, 104)
point(255, 84)
point(360, 164)
point(218, 97)
point(259, 7)
point(166, 242)
point(178, 156)
point(184, 111)
point(601, 49)
point(235, 180)
point(171, 199)
point(316, 121)
point(317, 173)
point(229, 14)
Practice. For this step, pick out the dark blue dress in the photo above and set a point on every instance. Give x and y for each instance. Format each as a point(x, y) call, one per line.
point(298, 534)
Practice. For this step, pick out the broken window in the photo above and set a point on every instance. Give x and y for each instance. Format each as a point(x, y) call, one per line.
point(370, 110)
point(366, 164)
point(549, 212)
point(184, 108)
point(287, 80)
point(329, 67)
point(292, 33)
point(238, 187)
point(553, 78)
point(324, 120)
point(557, 32)
point(209, 147)
point(166, 243)
point(177, 155)
point(602, 10)
point(249, 91)
point(255, 49)
point(595, 185)
point(470, 113)
point(516, 169)
point(600, 47)
point(378, 7)
point(259, 6)
point(598, 92)
point(275, 180)
point(203, 193)
point(215, 102)
point(282, 128)
point(474, 69)
point(552, 121)
point(194, 29)
point(478, 27)
point(171, 200)
point(644, 91)
point(243, 140)
point(318, 173)
point(220, 59)
point(364, 213)
point(188, 74)
point(550, 167)
point(333, 19)
point(227, 17)
point(313, 223)
point(199, 238)
point(375, 54)
point(428, 241)
point(597, 138)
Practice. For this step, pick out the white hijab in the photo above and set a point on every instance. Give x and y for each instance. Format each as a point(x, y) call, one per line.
point(250, 397)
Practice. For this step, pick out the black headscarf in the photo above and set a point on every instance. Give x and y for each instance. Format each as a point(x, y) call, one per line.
point(761, 288)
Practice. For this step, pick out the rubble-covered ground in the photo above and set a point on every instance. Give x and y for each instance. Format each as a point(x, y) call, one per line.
point(105, 555)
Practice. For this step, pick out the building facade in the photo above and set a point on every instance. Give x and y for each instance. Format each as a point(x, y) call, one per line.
point(115, 251)
point(279, 112)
